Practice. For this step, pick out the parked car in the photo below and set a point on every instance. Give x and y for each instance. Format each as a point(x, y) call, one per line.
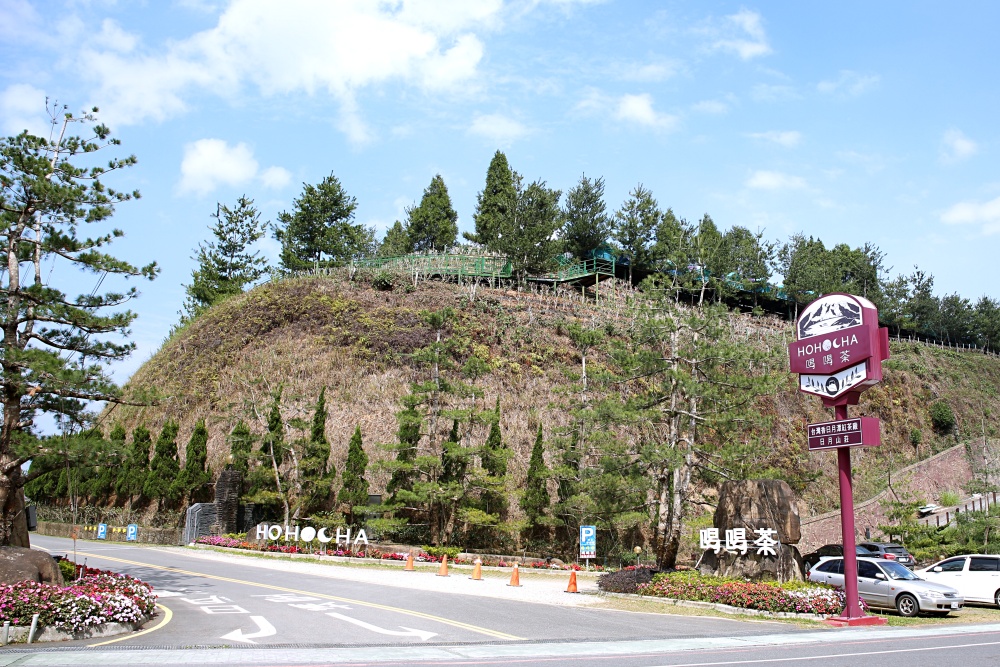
point(828, 551)
point(890, 551)
point(887, 584)
point(976, 577)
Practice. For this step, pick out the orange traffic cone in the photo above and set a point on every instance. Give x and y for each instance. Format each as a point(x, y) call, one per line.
point(515, 577)
point(443, 572)
point(477, 570)
point(409, 564)
point(572, 582)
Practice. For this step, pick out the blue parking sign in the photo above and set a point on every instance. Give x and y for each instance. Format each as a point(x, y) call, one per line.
point(588, 542)
point(102, 531)
point(132, 534)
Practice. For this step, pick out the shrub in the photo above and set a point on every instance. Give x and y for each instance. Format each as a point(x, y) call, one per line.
point(68, 569)
point(949, 498)
point(383, 281)
point(916, 437)
point(770, 596)
point(626, 580)
point(450, 552)
point(942, 417)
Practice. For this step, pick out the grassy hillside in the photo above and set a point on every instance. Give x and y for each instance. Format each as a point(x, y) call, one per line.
point(306, 333)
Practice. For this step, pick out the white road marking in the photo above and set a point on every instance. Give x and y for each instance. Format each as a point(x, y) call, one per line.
point(424, 635)
point(265, 629)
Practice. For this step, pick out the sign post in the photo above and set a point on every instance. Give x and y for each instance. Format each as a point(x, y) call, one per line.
point(588, 544)
point(838, 354)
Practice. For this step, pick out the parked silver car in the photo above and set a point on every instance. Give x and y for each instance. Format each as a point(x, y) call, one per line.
point(887, 584)
point(976, 577)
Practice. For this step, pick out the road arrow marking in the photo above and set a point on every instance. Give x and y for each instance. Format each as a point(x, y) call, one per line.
point(265, 630)
point(423, 635)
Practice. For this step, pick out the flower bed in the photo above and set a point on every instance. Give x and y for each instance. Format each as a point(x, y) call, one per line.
point(796, 597)
point(370, 553)
point(97, 598)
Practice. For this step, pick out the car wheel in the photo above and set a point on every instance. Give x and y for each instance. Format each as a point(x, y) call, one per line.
point(996, 598)
point(907, 605)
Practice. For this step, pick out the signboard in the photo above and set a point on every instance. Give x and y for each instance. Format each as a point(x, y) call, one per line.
point(588, 542)
point(854, 432)
point(840, 348)
point(132, 533)
point(102, 531)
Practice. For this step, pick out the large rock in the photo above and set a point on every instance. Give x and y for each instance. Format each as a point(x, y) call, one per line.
point(755, 505)
point(20, 564)
point(759, 503)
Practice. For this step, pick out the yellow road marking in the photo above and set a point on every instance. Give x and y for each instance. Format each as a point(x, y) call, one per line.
point(167, 615)
point(457, 624)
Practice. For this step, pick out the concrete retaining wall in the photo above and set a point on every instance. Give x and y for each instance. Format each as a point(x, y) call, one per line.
point(115, 533)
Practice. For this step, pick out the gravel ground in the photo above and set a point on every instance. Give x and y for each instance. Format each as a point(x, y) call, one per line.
point(547, 587)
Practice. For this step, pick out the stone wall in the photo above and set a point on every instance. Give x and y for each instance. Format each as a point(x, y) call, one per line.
point(115, 533)
point(946, 471)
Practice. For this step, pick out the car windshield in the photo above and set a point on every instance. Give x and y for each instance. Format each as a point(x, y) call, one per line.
point(896, 550)
point(897, 571)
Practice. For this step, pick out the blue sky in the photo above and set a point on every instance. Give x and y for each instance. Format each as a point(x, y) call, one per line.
point(851, 121)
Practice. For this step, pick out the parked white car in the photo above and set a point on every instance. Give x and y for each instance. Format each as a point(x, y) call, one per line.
point(887, 584)
point(976, 577)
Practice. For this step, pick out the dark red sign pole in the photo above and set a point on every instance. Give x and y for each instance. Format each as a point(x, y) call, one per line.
point(852, 609)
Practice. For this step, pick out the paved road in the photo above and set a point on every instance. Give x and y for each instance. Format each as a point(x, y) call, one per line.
point(220, 610)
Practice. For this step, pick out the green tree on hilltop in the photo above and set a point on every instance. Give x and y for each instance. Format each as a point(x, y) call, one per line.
point(635, 228)
point(320, 230)
point(433, 225)
point(586, 223)
point(396, 242)
point(226, 266)
point(495, 204)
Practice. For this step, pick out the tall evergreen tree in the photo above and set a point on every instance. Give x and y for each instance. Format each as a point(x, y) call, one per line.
point(528, 238)
point(195, 474)
point(103, 484)
point(535, 501)
point(433, 225)
point(586, 223)
point(314, 469)
point(495, 455)
point(240, 447)
point(226, 265)
point(161, 482)
point(320, 230)
point(54, 348)
point(635, 227)
point(408, 439)
point(495, 204)
point(354, 489)
point(133, 473)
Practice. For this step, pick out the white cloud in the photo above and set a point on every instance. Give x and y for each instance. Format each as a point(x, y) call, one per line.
point(275, 178)
point(114, 38)
point(639, 109)
point(210, 163)
point(297, 46)
point(743, 34)
point(986, 214)
point(22, 107)
point(498, 129)
point(788, 139)
point(848, 84)
point(955, 147)
point(652, 72)
point(710, 106)
point(767, 92)
point(775, 180)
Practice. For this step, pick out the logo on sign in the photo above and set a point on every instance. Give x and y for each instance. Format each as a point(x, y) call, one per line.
point(588, 541)
point(836, 384)
point(102, 531)
point(832, 313)
point(132, 533)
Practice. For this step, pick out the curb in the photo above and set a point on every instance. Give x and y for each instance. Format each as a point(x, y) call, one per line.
point(19, 635)
point(739, 611)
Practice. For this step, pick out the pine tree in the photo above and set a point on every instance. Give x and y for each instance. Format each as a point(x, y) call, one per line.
point(495, 456)
point(226, 266)
point(320, 230)
point(433, 225)
point(495, 204)
point(354, 490)
point(315, 474)
point(535, 501)
point(55, 346)
point(132, 477)
point(240, 448)
point(408, 438)
point(586, 224)
point(635, 228)
point(164, 469)
point(103, 485)
point(195, 474)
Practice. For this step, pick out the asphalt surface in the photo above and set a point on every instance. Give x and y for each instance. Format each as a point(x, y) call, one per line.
point(218, 609)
